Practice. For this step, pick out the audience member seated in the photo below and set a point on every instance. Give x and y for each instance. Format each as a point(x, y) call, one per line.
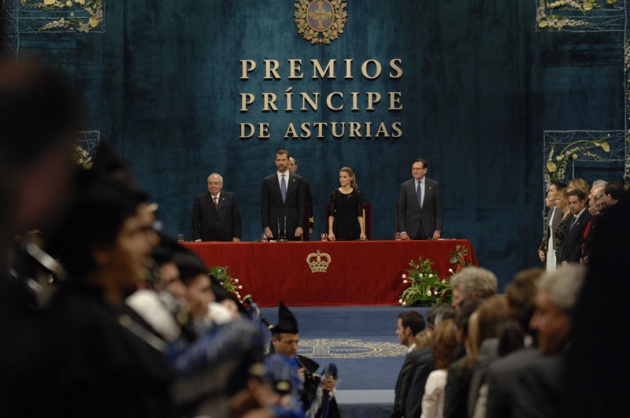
point(272, 391)
point(444, 349)
point(473, 282)
point(516, 346)
point(460, 373)
point(410, 324)
point(423, 358)
point(436, 314)
point(486, 325)
point(209, 352)
point(104, 358)
point(539, 389)
point(161, 299)
point(39, 117)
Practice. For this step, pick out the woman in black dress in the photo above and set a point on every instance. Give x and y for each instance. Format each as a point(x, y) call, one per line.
point(345, 222)
point(560, 233)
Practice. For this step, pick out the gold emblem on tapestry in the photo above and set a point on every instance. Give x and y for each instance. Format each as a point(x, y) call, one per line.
point(318, 262)
point(320, 21)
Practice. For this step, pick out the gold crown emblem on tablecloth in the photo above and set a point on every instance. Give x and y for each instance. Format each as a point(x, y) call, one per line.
point(318, 262)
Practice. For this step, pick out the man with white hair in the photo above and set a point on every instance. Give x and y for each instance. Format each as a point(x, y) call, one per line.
point(473, 282)
point(557, 294)
point(216, 215)
point(597, 186)
point(539, 390)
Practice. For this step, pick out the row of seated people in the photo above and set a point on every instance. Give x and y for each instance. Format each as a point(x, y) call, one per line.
point(489, 355)
point(97, 329)
point(123, 321)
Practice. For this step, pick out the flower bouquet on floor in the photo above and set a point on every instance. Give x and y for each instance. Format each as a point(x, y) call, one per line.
point(425, 286)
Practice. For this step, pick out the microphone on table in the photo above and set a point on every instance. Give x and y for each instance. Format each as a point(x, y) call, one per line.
point(253, 307)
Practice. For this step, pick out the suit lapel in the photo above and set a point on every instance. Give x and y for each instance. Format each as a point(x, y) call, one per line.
point(220, 202)
point(582, 220)
point(276, 185)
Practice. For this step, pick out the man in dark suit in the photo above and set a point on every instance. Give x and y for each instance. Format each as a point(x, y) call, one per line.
point(572, 248)
point(409, 324)
point(420, 208)
point(502, 375)
point(216, 216)
point(540, 388)
point(282, 202)
point(597, 367)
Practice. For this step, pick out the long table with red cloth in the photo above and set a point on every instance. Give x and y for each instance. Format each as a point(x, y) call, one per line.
point(359, 272)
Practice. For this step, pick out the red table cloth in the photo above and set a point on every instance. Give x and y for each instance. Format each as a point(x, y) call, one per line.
point(343, 273)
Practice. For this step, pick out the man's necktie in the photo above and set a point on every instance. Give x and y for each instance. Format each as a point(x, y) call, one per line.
point(575, 219)
point(419, 193)
point(216, 201)
point(283, 188)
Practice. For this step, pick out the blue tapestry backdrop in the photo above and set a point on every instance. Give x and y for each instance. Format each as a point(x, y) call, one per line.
point(468, 85)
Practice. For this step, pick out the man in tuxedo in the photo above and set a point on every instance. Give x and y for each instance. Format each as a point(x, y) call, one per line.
point(282, 201)
point(417, 362)
point(216, 215)
point(420, 208)
point(308, 192)
point(572, 248)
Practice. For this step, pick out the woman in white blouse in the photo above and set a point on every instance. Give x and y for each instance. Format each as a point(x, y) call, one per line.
point(444, 348)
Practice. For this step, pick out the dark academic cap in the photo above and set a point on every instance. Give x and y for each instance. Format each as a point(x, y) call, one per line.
point(105, 195)
point(219, 291)
point(286, 321)
point(189, 265)
point(166, 249)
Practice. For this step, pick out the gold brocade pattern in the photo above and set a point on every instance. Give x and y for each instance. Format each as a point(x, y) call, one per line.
point(349, 349)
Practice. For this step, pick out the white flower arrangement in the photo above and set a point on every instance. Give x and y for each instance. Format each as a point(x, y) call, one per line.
point(224, 275)
point(425, 286)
